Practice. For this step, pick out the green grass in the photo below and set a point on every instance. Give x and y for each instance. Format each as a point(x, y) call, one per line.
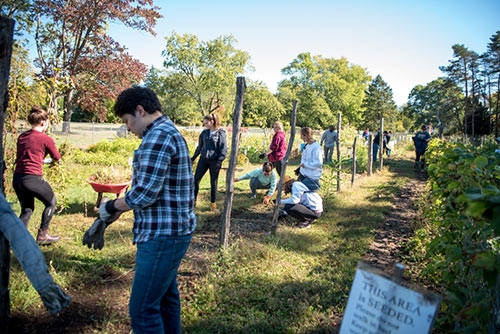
point(294, 281)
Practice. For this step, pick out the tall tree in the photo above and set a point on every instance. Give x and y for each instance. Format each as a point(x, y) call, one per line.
point(440, 102)
point(461, 70)
point(205, 72)
point(260, 107)
point(324, 87)
point(493, 62)
point(71, 39)
point(379, 103)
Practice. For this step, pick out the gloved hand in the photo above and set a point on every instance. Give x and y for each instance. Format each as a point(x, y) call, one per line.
point(219, 165)
point(262, 156)
point(235, 179)
point(107, 211)
point(94, 236)
point(297, 171)
point(266, 199)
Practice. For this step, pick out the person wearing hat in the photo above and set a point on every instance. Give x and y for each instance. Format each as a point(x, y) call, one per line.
point(304, 205)
point(421, 140)
point(261, 178)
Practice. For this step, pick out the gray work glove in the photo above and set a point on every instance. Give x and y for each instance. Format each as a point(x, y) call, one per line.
point(107, 211)
point(94, 236)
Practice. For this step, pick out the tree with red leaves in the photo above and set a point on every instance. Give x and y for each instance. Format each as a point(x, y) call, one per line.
point(78, 61)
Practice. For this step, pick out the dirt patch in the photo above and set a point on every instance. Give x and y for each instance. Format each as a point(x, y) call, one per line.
point(392, 234)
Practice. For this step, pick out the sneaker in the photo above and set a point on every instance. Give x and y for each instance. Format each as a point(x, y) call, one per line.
point(43, 238)
point(304, 224)
point(253, 196)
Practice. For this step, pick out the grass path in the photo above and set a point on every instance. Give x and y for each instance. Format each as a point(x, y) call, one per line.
point(296, 281)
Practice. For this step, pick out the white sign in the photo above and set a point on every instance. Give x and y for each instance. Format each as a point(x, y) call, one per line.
point(378, 305)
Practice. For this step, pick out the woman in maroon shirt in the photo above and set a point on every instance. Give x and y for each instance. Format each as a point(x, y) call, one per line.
point(277, 148)
point(32, 148)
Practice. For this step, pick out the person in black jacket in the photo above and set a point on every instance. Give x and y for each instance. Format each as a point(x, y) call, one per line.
point(212, 149)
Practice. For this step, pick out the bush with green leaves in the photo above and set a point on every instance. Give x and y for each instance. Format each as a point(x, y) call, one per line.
point(116, 152)
point(461, 235)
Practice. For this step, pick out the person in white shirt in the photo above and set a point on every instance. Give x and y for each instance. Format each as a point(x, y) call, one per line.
point(311, 162)
point(304, 205)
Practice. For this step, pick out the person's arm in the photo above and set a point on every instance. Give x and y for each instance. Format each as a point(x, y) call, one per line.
point(272, 185)
point(222, 145)
point(198, 148)
point(297, 192)
point(52, 150)
point(248, 175)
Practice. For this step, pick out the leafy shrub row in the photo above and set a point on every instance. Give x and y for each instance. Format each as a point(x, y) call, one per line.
point(460, 242)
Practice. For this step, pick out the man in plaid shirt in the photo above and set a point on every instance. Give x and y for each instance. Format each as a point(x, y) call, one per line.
point(162, 198)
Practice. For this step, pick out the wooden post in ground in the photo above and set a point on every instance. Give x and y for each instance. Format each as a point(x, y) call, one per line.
point(279, 187)
point(353, 161)
point(235, 144)
point(339, 118)
point(6, 40)
point(370, 154)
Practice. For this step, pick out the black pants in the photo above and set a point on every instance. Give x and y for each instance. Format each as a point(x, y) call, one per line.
point(301, 212)
point(214, 167)
point(278, 165)
point(28, 187)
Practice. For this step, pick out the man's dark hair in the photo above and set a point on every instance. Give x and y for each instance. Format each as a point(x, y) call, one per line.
point(130, 98)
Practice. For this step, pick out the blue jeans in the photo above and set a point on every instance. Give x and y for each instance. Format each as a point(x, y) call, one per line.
point(255, 184)
point(311, 184)
point(154, 301)
point(328, 152)
point(30, 257)
point(375, 152)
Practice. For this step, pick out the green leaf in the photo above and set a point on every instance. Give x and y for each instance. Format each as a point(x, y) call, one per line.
point(485, 260)
point(481, 161)
point(453, 299)
point(476, 209)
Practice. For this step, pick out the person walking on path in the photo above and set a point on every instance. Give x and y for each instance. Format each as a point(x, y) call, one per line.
point(328, 141)
point(420, 141)
point(161, 196)
point(277, 148)
point(261, 178)
point(212, 149)
point(28, 182)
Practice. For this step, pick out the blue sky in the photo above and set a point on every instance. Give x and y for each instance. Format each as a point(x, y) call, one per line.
point(404, 41)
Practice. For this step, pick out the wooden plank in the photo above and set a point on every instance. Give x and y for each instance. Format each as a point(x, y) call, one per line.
point(233, 159)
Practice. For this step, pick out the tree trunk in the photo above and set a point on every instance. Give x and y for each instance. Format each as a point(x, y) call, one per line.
point(68, 110)
point(6, 39)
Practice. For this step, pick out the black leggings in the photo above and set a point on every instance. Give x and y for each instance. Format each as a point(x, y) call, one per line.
point(301, 212)
point(202, 167)
point(28, 187)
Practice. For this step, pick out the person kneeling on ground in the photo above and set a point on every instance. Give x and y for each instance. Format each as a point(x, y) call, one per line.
point(304, 205)
point(261, 178)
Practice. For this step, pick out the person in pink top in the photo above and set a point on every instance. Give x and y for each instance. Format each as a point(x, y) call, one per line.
point(277, 148)
point(32, 148)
